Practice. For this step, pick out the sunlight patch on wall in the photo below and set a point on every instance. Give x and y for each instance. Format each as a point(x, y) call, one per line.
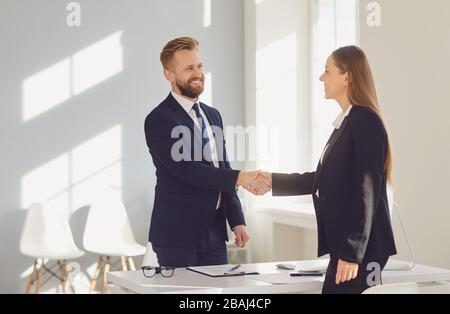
point(97, 168)
point(207, 13)
point(97, 63)
point(76, 178)
point(207, 96)
point(46, 89)
point(53, 86)
point(48, 184)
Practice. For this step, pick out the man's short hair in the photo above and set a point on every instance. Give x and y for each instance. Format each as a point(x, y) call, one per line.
point(173, 46)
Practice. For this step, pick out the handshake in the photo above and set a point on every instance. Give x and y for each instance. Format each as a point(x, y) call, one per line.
point(257, 183)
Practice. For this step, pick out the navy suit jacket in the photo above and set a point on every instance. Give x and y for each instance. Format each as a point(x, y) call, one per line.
point(352, 208)
point(187, 192)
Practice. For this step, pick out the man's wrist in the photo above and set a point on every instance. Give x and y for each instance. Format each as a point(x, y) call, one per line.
point(237, 226)
point(239, 182)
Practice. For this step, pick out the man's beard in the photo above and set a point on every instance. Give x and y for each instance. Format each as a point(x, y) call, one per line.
point(188, 90)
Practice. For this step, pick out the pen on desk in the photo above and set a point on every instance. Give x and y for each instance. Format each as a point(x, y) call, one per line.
point(234, 268)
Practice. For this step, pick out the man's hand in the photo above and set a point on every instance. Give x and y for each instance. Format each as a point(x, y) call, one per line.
point(258, 183)
point(263, 184)
point(247, 179)
point(241, 236)
point(346, 271)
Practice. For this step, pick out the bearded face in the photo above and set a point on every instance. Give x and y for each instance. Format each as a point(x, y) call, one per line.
point(186, 73)
point(193, 87)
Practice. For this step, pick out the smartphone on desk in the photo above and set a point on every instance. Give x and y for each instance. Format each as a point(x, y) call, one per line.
point(308, 273)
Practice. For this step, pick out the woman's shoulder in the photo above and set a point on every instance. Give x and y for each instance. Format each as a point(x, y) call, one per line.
point(366, 117)
point(361, 112)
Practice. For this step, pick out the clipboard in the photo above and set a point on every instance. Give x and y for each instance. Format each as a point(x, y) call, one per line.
point(318, 273)
point(219, 271)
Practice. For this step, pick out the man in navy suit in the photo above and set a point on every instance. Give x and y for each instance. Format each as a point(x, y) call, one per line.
point(195, 193)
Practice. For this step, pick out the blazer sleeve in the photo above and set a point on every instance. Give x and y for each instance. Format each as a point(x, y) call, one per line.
point(235, 215)
point(370, 148)
point(160, 142)
point(292, 184)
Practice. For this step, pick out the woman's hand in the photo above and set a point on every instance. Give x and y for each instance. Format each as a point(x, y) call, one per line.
point(346, 271)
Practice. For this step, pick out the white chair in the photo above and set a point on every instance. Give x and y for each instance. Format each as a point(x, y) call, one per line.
point(394, 265)
point(400, 288)
point(108, 234)
point(47, 236)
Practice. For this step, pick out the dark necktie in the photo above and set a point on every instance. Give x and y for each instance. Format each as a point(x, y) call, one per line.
point(205, 138)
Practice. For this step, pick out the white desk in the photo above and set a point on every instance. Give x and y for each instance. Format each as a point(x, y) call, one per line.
point(185, 281)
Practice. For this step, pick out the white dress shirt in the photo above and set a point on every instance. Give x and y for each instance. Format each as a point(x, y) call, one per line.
point(187, 106)
point(337, 125)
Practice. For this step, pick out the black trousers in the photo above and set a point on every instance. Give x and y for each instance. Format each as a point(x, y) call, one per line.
point(211, 250)
point(369, 275)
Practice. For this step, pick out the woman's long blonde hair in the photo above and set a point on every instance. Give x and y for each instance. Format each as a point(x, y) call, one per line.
point(362, 91)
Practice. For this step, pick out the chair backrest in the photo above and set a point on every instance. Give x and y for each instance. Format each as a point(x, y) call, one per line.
point(400, 288)
point(46, 233)
point(394, 208)
point(390, 196)
point(108, 227)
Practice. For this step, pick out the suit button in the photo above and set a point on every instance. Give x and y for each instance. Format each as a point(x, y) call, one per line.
point(323, 198)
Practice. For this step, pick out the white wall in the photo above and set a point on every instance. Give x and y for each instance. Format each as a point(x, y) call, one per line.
point(35, 37)
point(409, 54)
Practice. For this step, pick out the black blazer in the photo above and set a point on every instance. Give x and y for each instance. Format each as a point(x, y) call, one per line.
point(186, 192)
point(352, 209)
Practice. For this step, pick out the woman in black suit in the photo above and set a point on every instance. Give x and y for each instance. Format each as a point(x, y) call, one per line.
point(349, 186)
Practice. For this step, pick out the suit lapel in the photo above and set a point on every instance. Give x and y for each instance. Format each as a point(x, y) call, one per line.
point(213, 122)
point(334, 139)
point(337, 133)
point(211, 119)
point(181, 113)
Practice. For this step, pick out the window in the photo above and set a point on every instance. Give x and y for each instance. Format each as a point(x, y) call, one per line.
point(281, 59)
point(287, 44)
point(278, 75)
point(333, 25)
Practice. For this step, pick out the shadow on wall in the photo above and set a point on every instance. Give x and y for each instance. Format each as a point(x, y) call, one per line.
point(74, 102)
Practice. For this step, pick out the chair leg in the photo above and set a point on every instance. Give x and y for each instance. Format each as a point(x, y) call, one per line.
point(32, 278)
point(39, 270)
point(124, 263)
point(61, 274)
point(97, 273)
point(69, 283)
point(131, 262)
point(64, 277)
point(105, 271)
point(70, 286)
